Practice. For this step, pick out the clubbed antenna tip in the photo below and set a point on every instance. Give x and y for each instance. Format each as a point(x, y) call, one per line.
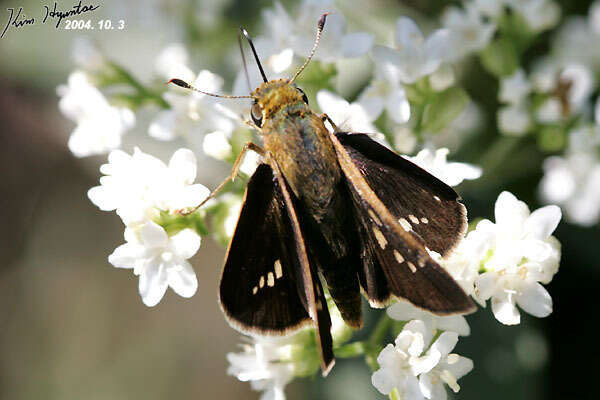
point(180, 83)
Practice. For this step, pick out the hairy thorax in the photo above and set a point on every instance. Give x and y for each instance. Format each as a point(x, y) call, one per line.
point(299, 142)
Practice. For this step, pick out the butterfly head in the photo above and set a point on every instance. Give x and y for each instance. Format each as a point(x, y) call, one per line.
point(273, 96)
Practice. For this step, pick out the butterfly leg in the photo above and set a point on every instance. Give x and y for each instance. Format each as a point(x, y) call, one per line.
point(234, 172)
point(326, 117)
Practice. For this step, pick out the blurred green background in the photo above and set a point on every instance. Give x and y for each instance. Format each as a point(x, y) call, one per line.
point(73, 327)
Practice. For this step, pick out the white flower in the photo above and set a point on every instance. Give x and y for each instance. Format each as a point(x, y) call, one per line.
point(266, 364)
point(514, 120)
point(384, 94)
point(489, 8)
point(405, 311)
point(99, 125)
point(572, 42)
point(417, 374)
point(519, 254)
point(192, 113)
point(539, 14)
point(298, 33)
point(216, 145)
point(159, 260)
point(515, 88)
point(573, 180)
point(138, 186)
point(351, 117)
point(413, 56)
point(451, 173)
point(469, 32)
point(172, 62)
point(443, 78)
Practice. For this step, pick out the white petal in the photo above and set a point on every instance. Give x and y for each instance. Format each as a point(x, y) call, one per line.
point(183, 165)
point(445, 343)
point(426, 385)
point(509, 211)
point(543, 221)
point(403, 311)
point(356, 44)
point(398, 106)
point(103, 198)
point(535, 300)
point(454, 323)
point(407, 32)
point(281, 61)
point(438, 391)
point(188, 196)
point(185, 243)
point(505, 310)
point(485, 285)
point(438, 47)
point(419, 327)
point(216, 145)
point(153, 235)
point(182, 279)
point(514, 120)
point(126, 255)
point(425, 363)
point(460, 368)
point(383, 380)
point(153, 284)
point(163, 125)
point(412, 390)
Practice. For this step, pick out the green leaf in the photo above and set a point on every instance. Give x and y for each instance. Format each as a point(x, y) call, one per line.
point(500, 58)
point(443, 108)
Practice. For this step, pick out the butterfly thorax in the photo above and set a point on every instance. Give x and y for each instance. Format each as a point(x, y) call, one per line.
point(299, 142)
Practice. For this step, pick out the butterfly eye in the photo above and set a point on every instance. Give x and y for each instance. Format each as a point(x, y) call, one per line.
point(256, 113)
point(304, 98)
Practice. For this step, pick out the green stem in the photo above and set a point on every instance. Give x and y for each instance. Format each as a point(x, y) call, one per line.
point(374, 343)
point(350, 350)
point(142, 91)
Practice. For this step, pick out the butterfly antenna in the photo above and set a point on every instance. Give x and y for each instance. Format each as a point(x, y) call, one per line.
point(320, 26)
point(185, 85)
point(262, 71)
point(244, 61)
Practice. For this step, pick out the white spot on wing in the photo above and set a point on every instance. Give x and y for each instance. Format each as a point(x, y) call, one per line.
point(413, 219)
point(254, 290)
point(437, 198)
point(261, 282)
point(405, 224)
point(380, 238)
point(278, 269)
point(424, 220)
point(270, 279)
point(398, 256)
point(412, 267)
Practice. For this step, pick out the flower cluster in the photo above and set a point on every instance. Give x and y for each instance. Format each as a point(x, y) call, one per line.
point(142, 190)
point(418, 366)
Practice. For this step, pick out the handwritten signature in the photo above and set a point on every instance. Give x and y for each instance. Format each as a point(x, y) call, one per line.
point(18, 19)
